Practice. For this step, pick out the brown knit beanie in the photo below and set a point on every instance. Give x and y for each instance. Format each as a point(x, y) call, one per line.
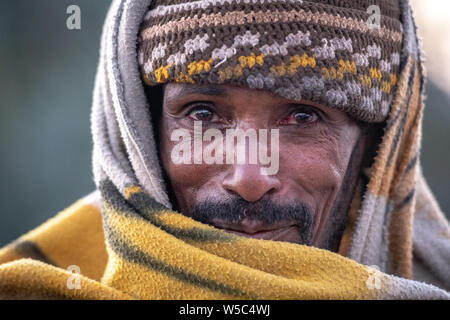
point(325, 51)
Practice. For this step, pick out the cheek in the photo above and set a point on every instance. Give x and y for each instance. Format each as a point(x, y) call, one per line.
point(317, 164)
point(189, 182)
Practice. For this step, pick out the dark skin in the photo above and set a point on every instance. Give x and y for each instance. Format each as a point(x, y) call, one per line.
point(321, 152)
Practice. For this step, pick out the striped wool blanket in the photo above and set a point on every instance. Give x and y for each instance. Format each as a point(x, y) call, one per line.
point(125, 242)
point(155, 253)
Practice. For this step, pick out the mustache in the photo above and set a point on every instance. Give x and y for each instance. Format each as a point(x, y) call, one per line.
point(265, 210)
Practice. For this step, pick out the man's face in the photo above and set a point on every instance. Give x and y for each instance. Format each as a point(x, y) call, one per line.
point(305, 201)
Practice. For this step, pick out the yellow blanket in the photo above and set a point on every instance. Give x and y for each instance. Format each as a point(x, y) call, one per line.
point(160, 254)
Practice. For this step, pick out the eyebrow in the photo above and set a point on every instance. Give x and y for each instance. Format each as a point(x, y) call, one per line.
point(207, 90)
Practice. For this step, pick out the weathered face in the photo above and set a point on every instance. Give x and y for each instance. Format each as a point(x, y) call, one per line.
point(304, 201)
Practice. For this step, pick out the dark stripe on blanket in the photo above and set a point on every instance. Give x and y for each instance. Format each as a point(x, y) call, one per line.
point(412, 163)
point(406, 200)
point(396, 140)
point(28, 249)
point(133, 254)
point(401, 127)
point(390, 124)
point(417, 118)
point(404, 60)
point(148, 209)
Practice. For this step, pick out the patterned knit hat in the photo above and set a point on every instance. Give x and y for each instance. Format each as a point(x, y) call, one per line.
point(324, 51)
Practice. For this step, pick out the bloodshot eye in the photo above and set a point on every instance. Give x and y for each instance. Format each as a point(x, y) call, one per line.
point(305, 116)
point(302, 117)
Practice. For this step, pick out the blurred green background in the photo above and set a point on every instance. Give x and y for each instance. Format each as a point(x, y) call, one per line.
point(46, 78)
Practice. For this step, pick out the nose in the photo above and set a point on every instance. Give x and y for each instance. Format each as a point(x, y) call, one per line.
point(247, 181)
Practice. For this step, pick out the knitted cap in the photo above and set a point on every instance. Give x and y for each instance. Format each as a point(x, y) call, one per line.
point(325, 51)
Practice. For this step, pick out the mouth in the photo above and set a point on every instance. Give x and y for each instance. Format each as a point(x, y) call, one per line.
point(286, 232)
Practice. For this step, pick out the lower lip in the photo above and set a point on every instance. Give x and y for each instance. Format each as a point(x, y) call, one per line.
point(276, 234)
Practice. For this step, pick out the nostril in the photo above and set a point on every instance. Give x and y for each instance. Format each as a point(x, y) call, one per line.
point(272, 191)
point(247, 182)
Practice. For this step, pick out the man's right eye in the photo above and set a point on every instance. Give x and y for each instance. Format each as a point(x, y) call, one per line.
point(202, 114)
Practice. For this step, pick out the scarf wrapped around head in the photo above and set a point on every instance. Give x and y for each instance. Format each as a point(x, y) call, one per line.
point(396, 242)
point(323, 51)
